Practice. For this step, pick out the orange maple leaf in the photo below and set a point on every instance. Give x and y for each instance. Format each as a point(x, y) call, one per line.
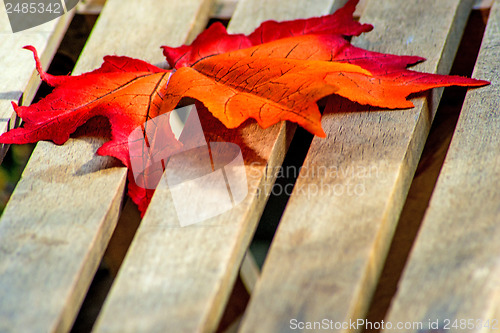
point(276, 73)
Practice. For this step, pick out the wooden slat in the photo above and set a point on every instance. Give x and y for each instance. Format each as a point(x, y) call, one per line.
point(249, 272)
point(454, 271)
point(360, 7)
point(222, 9)
point(332, 240)
point(61, 215)
point(177, 278)
point(249, 14)
point(483, 4)
point(18, 76)
point(90, 7)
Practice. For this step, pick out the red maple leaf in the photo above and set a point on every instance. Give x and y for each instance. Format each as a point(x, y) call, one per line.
point(276, 73)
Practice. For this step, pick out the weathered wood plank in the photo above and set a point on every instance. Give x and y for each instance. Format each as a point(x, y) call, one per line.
point(336, 230)
point(249, 271)
point(360, 8)
point(18, 77)
point(61, 215)
point(249, 14)
point(90, 7)
point(222, 9)
point(225, 8)
point(483, 4)
point(453, 271)
point(179, 278)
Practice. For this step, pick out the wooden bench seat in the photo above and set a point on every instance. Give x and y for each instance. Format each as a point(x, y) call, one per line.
point(327, 255)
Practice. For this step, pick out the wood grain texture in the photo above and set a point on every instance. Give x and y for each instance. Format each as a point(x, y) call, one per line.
point(483, 4)
point(360, 8)
point(249, 272)
point(58, 222)
point(90, 7)
point(331, 243)
point(249, 14)
point(453, 271)
point(222, 9)
point(179, 278)
point(18, 76)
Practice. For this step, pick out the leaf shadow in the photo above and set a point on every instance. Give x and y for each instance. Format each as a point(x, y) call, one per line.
point(96, 131)
point(11, 95)
point(344, 105)
point(215, 131)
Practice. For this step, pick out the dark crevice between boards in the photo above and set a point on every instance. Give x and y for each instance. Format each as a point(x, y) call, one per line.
point(236, 305)
point(119, 243)
point(287, 175)
point(279, 195)
point(270, 218)
point(275, 206)
point(427, 172)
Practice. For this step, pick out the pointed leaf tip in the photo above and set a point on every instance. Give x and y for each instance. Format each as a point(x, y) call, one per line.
point(43, 75)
